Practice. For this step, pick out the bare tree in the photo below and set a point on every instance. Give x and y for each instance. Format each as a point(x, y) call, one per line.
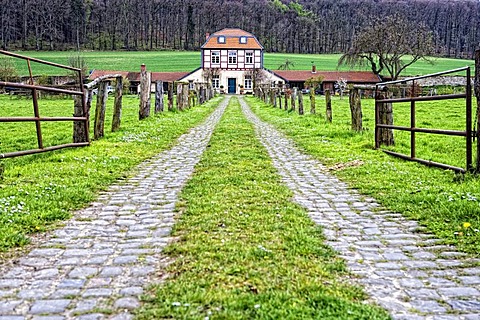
point(258, 76)
point(391, 44)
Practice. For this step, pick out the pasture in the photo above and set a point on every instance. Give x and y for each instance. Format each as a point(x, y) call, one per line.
point(38, 191)
point(446, 203)
point(188, 61)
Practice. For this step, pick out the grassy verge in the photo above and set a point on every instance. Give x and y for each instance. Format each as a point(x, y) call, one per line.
point(447, 204)
point(37, 190)
point(245, 251)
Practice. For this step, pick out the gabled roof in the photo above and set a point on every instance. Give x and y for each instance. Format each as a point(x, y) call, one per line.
point(328, 76)
point(232, 40)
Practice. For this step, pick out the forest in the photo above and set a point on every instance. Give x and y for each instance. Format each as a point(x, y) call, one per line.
point(300, 26)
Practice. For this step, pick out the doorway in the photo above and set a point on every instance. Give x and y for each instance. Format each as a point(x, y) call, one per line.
point(232, 85)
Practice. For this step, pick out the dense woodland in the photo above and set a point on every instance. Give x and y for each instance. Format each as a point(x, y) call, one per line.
point(301, 26)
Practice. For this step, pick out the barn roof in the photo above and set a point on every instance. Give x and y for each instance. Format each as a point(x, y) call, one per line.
point(328, 76)
point(135, 76)
point(232, 40)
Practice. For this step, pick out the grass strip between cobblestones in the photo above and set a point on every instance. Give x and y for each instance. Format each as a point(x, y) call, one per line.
point(244, 250)
point(446, 203)
point(37, 191)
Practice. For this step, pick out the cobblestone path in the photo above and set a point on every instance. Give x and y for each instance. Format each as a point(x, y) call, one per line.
point(402, 269)
point(96, 266)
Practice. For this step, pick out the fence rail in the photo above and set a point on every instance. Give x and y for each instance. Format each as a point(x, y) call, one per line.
point(469, 133)
point(81, 119)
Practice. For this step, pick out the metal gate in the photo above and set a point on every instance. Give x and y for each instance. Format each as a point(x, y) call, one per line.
point(413, 98)
point(37, 118)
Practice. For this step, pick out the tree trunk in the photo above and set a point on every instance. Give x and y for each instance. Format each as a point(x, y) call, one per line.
point(356, 110)
point(312, 101)
point(328, 103)
point(145, 81)
point(100, 108)
point(300, 103)
point(117, 105)
point(159, 96)
point(385, 116)
point(79, 128)
point(170, 96)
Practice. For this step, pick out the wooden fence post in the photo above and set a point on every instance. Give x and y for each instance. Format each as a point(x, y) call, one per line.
point(159, 96)
point(385, 116)
point(145, 83)
point(328, 103)
point(272, 97)
point(312, 101)
point(170, 96)
point(356, 109)
point(300, 103)
point(477, 94)
point(294, 97)
point(79, 132)
point(185, 92)
point(287, 97)
point(102, 95)
point(117, 105)
point(179, 97)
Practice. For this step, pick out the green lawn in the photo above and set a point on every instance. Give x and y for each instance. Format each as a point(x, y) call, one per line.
point(38, 190)
point(438, 199)
point(245, 251)
point(188, 61)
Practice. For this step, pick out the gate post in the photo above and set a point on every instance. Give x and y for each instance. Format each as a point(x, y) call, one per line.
point(477, 94)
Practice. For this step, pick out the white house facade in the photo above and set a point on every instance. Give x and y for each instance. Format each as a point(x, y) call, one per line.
point(231, 60)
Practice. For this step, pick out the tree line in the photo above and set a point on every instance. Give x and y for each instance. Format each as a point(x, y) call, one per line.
point(300, 26)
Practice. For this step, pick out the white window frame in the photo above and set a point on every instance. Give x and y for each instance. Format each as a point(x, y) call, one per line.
point(249, 57)
point(248, 83)
point(232, 57)
point(221, 39)
point(243, 40)
point(216, 81)
point(215, 57)
point(191, 85)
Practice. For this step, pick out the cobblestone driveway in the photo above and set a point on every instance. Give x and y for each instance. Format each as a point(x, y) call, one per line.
point(96, 266)
point(402, 269)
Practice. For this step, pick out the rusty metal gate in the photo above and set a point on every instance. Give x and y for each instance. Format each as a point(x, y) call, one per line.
point(37, 118)
point(413, 98)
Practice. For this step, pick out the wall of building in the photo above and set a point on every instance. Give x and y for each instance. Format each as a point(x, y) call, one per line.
point(241, 59)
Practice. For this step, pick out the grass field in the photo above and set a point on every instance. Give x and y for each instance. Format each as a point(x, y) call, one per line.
point(188, 61)
point(446, 203)
point(245, 251)
point(38, 190)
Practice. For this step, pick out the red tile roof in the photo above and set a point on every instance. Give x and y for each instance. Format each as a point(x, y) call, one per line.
point(232, 40)
point(135, 76)
point(329, 76)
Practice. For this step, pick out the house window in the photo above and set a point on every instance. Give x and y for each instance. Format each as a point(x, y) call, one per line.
point(249, 57)
point(221, 39)
point(272, 84)
point(243, 40)
point(248, 82)
point(232, 56)
point(191, 85)
point(216, 82)
point(215, 57)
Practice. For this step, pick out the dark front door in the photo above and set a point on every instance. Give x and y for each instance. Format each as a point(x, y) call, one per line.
point(232, 84)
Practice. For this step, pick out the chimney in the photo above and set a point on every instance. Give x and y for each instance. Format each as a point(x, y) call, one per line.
point(314, 68)
point(143, 68)
point(207, 35)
